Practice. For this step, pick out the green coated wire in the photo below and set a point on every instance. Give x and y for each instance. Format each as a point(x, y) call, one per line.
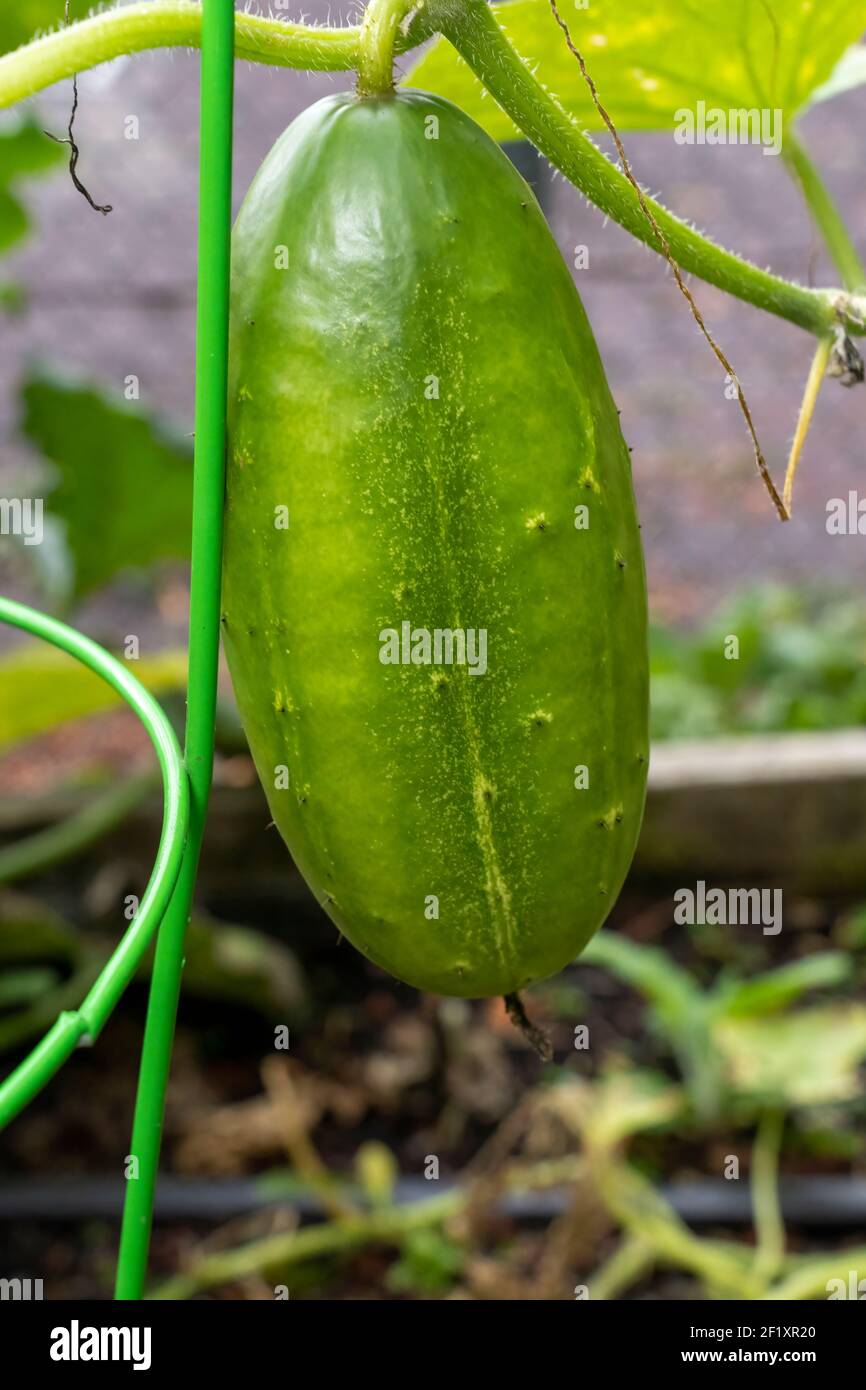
point(86, 1023)
point(217, 76)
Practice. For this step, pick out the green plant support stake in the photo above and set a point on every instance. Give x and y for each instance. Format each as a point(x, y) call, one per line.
point(214, 219)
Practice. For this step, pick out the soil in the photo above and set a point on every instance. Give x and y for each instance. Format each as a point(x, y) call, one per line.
point(370, 1060)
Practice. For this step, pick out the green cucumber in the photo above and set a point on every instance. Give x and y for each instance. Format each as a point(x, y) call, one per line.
point(425, 458)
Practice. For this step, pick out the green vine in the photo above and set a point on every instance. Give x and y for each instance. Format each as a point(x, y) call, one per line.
point(165, 24)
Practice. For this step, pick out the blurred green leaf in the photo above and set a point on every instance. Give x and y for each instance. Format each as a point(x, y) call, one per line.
point(693, 1020)
point(831, 1142)
point(12, 298)
point(25, 152)
point(679, 1010)
point(239, 965)
point(777, 989)
point(70, 837)
point(650, 58)
point(41, 688)
point(123, 478)
point(670, 990)
point(22, 20)
point(801, 665)
point(806, 1058)
point(223, 963)
point(622, 1102)
point(429, 1262)
point(684, 708)
point(32, 935)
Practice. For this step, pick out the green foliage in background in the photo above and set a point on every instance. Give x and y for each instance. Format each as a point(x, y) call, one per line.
point(25, 152)
point(123, 480)
point(24, 19)
point(801, 665)
point(650, 58)
point(47, 964)
point(737, 1044)
point(754, 1065)
point(430, 1262)
point(41, 688)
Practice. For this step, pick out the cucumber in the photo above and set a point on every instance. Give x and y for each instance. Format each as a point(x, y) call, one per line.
point(434, 603)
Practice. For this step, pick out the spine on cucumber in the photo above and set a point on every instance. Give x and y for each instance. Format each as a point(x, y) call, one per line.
point(434, 603)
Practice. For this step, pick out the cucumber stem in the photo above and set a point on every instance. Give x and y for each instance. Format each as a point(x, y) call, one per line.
point(376, 43)
point(536, 1037)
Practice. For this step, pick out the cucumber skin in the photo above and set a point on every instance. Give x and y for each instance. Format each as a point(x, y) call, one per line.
point(409, 257)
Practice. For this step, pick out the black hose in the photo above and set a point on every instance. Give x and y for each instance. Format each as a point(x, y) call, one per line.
point(806, 1201)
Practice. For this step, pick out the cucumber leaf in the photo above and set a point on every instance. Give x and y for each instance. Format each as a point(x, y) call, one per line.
point(651, 58)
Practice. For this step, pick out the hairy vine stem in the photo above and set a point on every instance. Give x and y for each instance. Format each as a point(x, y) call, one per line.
point(376, 42)
point(166, 24)
point(473, 30)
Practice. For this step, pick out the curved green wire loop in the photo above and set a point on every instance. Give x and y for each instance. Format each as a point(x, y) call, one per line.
point(85, 1024)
